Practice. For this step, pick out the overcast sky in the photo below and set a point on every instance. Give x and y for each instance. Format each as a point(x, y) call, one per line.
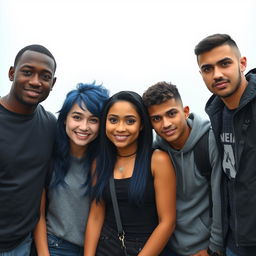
point(124, 44)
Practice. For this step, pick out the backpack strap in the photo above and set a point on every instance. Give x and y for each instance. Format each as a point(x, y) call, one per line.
point(203, 164)
point(201, 156)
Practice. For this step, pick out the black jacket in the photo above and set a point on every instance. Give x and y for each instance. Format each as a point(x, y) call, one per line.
point(244, 128)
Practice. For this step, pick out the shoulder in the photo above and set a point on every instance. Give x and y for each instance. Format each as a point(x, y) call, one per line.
point(45, 115)
point(160, 160)
point(160, 156)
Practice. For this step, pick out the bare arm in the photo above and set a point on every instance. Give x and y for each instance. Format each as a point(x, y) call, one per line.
point(40, 234)
point(93, 228)
point(165, 194)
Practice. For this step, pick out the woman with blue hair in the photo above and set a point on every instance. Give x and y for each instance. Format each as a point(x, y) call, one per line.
point(61, 230)
point(144, 183)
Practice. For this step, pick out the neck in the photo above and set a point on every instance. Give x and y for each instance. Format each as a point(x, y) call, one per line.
point(232, 101)
point(15, 106)
point(128, 155)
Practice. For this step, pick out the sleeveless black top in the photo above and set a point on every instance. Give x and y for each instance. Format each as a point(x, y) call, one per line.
point(137, 221)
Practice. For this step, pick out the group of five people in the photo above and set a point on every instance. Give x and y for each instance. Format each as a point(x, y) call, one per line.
point(58, 179)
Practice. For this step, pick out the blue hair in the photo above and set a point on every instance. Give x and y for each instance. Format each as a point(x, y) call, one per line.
point(108, 152)
point(93, 97)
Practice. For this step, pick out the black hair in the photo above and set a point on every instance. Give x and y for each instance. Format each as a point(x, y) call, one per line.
point(159, 93)
point(108, 152)
point(35, 48)
point(212, 41)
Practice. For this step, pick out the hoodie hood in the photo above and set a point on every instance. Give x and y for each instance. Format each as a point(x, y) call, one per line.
point(198, 128)
point(183, 159)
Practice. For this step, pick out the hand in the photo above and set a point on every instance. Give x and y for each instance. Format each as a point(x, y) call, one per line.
point(201, 253)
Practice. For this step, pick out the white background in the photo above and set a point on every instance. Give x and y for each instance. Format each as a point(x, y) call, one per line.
point(124, 44)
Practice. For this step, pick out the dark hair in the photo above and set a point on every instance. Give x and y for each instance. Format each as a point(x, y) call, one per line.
point(93, 97)
point(159, 93)
point(35, 48)
point(108, 152)
point(213, 41)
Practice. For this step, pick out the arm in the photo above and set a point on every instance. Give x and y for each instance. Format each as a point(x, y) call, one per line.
point(165, 194)
point(93, 228)
point(40, 234)
point(216, 238)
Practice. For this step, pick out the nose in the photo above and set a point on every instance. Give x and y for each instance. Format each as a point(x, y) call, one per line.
point(217, 74)
point(35, 80)
point(166, 122)
point(83, 125)
point(121, 126)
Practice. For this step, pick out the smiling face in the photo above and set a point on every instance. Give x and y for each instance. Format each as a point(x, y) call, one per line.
point(123, 125)
point(33, 78)
point(169, 121)
point(82, 127)
point(222, 71)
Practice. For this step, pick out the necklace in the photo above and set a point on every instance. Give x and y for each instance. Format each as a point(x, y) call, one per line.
point(134, 153)
point(121, 168)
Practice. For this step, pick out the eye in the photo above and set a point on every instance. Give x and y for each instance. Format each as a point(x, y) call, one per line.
point(130, 121)
point(206, 69)
point(94, 120)
point(46, 77)
point(76, 117)
point(155, 118)
point(225, 63)
point(112, 120)
point(26, 72)
point(172, 113)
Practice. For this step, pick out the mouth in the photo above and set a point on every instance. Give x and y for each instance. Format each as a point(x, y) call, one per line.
point(82, 136)
point(121, 137)
point(169, 132)
point(32, 93)
point(221, 84)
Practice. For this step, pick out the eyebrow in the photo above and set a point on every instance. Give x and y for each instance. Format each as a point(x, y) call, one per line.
point(32, 67)
point(218, 62)
point(128, 116)
point(80, 113)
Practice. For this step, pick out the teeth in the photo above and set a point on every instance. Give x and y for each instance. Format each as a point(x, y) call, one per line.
point(82, 134)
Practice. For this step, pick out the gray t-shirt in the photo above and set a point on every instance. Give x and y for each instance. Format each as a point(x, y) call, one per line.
point(69, 206)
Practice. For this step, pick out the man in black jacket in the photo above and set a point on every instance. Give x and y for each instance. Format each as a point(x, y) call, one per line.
point(232, 111)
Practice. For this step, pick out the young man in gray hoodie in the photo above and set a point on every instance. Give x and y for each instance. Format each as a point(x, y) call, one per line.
point(198, 229)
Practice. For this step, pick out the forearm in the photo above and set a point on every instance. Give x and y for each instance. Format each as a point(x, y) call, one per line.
point(40, 236)
point(158, 239)
point(40, 233)
point(93, 229)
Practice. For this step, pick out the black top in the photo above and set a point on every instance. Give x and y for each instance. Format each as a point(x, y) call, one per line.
point(26, 143)
point(137, 221)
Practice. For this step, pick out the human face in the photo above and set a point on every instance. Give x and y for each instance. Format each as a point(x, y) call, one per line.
point(221, 69)
point(33, 78)
point(123, 125)
point(169, 122)
point(82, 127)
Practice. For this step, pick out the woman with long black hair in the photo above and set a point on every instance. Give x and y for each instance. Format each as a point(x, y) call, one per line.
point(144, 184)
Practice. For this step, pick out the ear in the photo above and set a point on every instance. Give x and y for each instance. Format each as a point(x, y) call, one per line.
point(186, 111)
point(11, 73)
point(53, 82)
point(243, 63)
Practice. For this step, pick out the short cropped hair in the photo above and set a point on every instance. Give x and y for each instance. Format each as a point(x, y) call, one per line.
point(159, 93)
point(213, 41)
point(35, 48)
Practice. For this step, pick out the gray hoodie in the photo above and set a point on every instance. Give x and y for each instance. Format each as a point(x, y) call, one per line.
point(195, 230)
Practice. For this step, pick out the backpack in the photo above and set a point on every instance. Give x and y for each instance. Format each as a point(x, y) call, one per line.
point(202, 161)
